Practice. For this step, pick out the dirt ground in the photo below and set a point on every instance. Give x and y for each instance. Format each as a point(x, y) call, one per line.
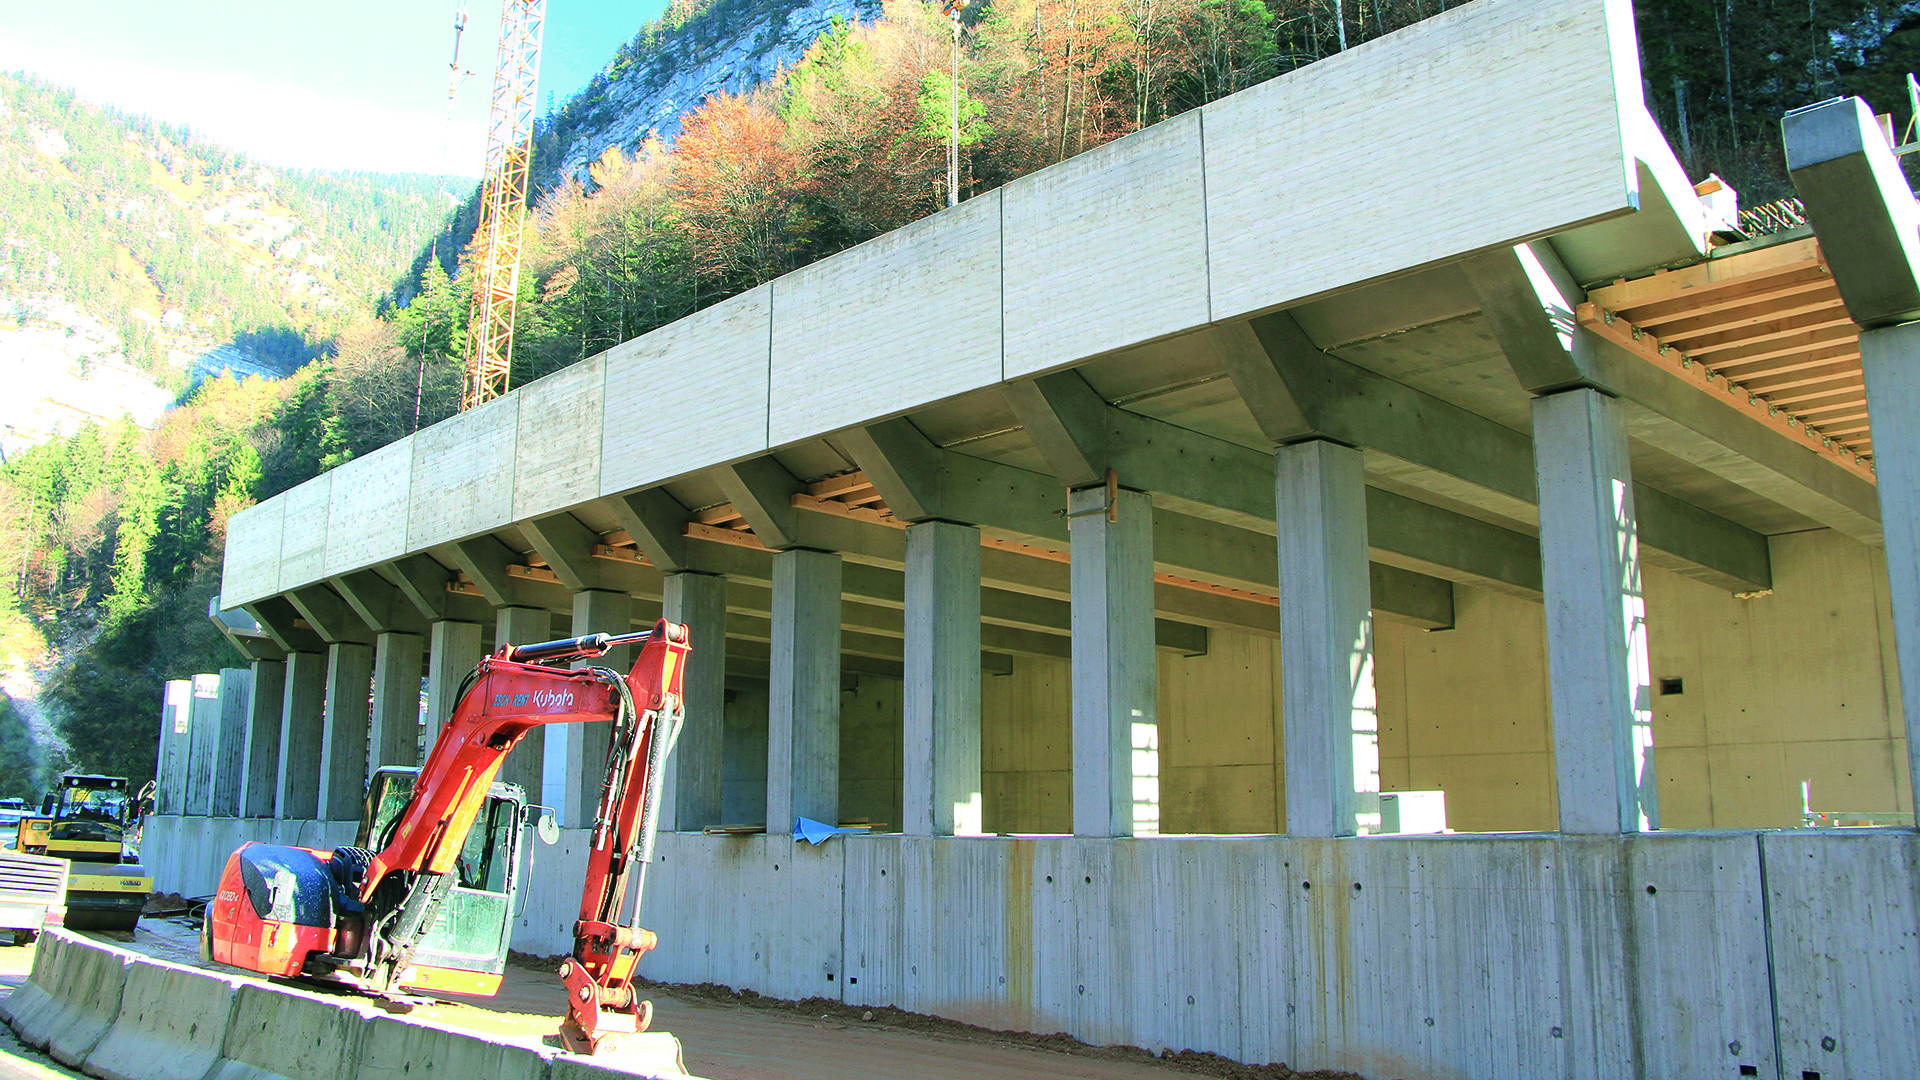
point(743, 1036)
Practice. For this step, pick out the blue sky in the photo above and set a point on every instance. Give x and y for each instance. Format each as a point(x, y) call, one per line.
point(335, 84)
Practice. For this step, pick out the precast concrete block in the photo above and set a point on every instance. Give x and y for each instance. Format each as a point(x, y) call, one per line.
point(171, 1026)
point(85, 982)
point(397, 1048)
point(282, 1034)
point(29, 1009)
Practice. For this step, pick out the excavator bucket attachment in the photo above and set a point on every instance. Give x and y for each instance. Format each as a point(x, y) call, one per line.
point(643, 1053)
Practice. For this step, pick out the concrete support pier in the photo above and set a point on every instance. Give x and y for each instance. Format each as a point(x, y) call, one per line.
point(1332, 751)
point(1891, 360)
point(397, 660)
point(266, 693)
point(302, 722)
point(1597, 669)
point(526, 764)
point(343, 750)
point(576, 754)
point(803, 686)
point(1116, 752)
point(941, 779)
point(691, 799)
point(230, 743)
point(453, 648)
point(203, 726)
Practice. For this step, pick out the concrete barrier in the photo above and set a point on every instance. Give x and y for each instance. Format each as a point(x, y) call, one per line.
point(277, 1033)
point(654, 1055)
point(172, 1024)
point(406, 1049)
point(78, 1000)
point(30, 1009)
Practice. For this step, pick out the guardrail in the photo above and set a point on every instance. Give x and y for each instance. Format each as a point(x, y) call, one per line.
point(118, 1015)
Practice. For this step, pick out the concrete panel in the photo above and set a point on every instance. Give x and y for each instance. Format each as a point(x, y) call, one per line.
point(557, 455)
point(396, 1046)
point(281, 1032)
point(367, 524)
point(706, 373)
point(1130, 219)
point(176, 741)
point(1845, 931)
point(265, 697)
point(1697, 954)
point(230, 743)
point(463, 474)
point(912, 316)
point(88, 982)
point(250, 566)
point(1522, 102)
point(303, 533)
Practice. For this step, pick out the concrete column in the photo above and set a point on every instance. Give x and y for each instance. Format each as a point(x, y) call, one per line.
point(302, 731)
point(343, 750)
point(1597, 670)
point(176, 726)
point(526, 765)
point(1116, 747)
point(397, 662)
point(265, 695)
point(1891, 359)
point(576, 754)
point(203, 726)
point(691, 797)
point(453, 648)
point(230, 743)
point(1329, 721)
point(940, 783)
point(803, 686)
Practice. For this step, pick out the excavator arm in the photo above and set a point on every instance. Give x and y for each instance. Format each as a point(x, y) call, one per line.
point(511, 693)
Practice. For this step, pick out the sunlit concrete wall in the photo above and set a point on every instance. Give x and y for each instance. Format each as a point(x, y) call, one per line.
point(1774, 690)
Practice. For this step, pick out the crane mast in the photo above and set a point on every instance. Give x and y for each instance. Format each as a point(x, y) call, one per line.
point(503, 201)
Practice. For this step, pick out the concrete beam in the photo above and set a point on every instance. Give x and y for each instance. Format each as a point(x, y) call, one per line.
point(243, 632)
point(902, 464)
point(423, 582)
point(484, 559)
point(1428, 539)
point(657, 523)
point(1860, 206)
point(762, 490)
point(329, 616)
point(379, 603)
point(1528, 299)
point(275, 617)
point(1695, 543)
point(748, 660)
point(567, 546)
point(1066, 420)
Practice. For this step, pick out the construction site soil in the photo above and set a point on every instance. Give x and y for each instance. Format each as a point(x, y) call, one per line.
point(741, 1035)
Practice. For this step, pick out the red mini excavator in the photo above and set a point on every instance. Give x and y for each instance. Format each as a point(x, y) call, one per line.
point(424, 899)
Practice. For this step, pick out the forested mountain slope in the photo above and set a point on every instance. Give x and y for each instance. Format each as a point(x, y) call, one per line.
point(133, 253)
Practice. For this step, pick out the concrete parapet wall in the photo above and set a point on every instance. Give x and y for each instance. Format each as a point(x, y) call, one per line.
point(172, 1024)
point(1663, 955)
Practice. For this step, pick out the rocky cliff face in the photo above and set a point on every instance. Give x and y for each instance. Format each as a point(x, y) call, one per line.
point(699, 48)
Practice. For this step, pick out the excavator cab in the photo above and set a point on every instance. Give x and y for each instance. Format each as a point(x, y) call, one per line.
point(466, 951)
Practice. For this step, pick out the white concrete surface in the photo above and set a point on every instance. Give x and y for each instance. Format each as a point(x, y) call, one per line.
point(1116, 733)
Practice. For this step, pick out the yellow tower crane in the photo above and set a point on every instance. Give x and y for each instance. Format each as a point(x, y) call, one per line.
point(495, 267)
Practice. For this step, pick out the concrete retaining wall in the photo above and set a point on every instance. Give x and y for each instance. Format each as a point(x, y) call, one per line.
point(121, 1016)
point(1474, 956)
point(186, 854)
